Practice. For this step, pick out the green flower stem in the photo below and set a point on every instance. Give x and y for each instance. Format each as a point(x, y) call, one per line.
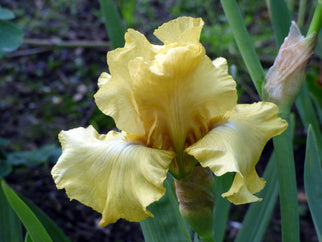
point(283, 145)
point(285, 160)
point(244, 43)
point(283, 148)
point(316, 22)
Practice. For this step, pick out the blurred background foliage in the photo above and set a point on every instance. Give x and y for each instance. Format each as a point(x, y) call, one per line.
point(48, 84)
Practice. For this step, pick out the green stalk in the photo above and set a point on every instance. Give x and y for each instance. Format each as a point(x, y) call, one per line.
point(283, 148)
point(283, 145)
point(244, 43)
point(316, 22)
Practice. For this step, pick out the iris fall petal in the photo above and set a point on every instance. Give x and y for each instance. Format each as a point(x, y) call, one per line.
point(110, 173)
point(235, 145)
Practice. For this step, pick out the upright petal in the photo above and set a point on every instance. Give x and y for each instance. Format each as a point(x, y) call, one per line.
point(115, 97)
point(180, 30)
point(236, 145)
point(168, 93)
point(181, 90)
point(110, 173)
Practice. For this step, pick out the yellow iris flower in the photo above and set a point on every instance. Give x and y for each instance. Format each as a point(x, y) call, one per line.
point(176, 109)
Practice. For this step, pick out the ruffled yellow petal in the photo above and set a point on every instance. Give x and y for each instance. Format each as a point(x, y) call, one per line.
point(168, 93)
point(115, 97)
point(110, 173)
point(182, 29)
point(236, 144)
point(180, 92)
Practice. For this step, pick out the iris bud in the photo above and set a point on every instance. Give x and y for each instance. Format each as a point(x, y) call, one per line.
point(285, 78)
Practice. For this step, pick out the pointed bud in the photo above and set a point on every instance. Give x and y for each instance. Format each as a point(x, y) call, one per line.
point(285, 78)
point(197, 201)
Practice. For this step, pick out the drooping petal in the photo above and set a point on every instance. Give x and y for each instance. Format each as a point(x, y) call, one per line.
point(115, 97)
point(115, 176)
point(182, 29)
point(236, 145)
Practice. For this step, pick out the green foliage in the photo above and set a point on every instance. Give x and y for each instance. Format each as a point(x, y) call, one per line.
point(28, 237)
point(10, 225)
point(10, 38)
point(167, 224)
point(244, 43)
point(318, 49)
point(113, 23)
point(222, 184)
point(127, 8)
point(314, 84)
point(5, 167)
point(258, 215)
point(312, 180)
point(43, 155)
point(219, 41)
point(56, 234)
point(6, 14)
point(34, 227)
point(281, 19)
point(47, 153)
point(101, 122)
point(11, 35)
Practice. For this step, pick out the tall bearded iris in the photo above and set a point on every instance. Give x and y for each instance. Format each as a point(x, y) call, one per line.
point(177, 110)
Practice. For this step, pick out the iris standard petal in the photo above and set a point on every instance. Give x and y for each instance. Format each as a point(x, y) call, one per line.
point(167, 93)
point(115, 97)
point(182, 29)
point(235, 145)
point(181, 91)
point(115, 176)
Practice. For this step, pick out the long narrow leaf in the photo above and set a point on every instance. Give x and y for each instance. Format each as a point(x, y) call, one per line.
point(167, 224)
point(53, 230)
point(307, 113)
point(244, 43)
point(28, 238)
point(281, 19)
point(10, 226)
point(312, 180)
point(27, 217)
point(222, 207)
point(113, 23)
